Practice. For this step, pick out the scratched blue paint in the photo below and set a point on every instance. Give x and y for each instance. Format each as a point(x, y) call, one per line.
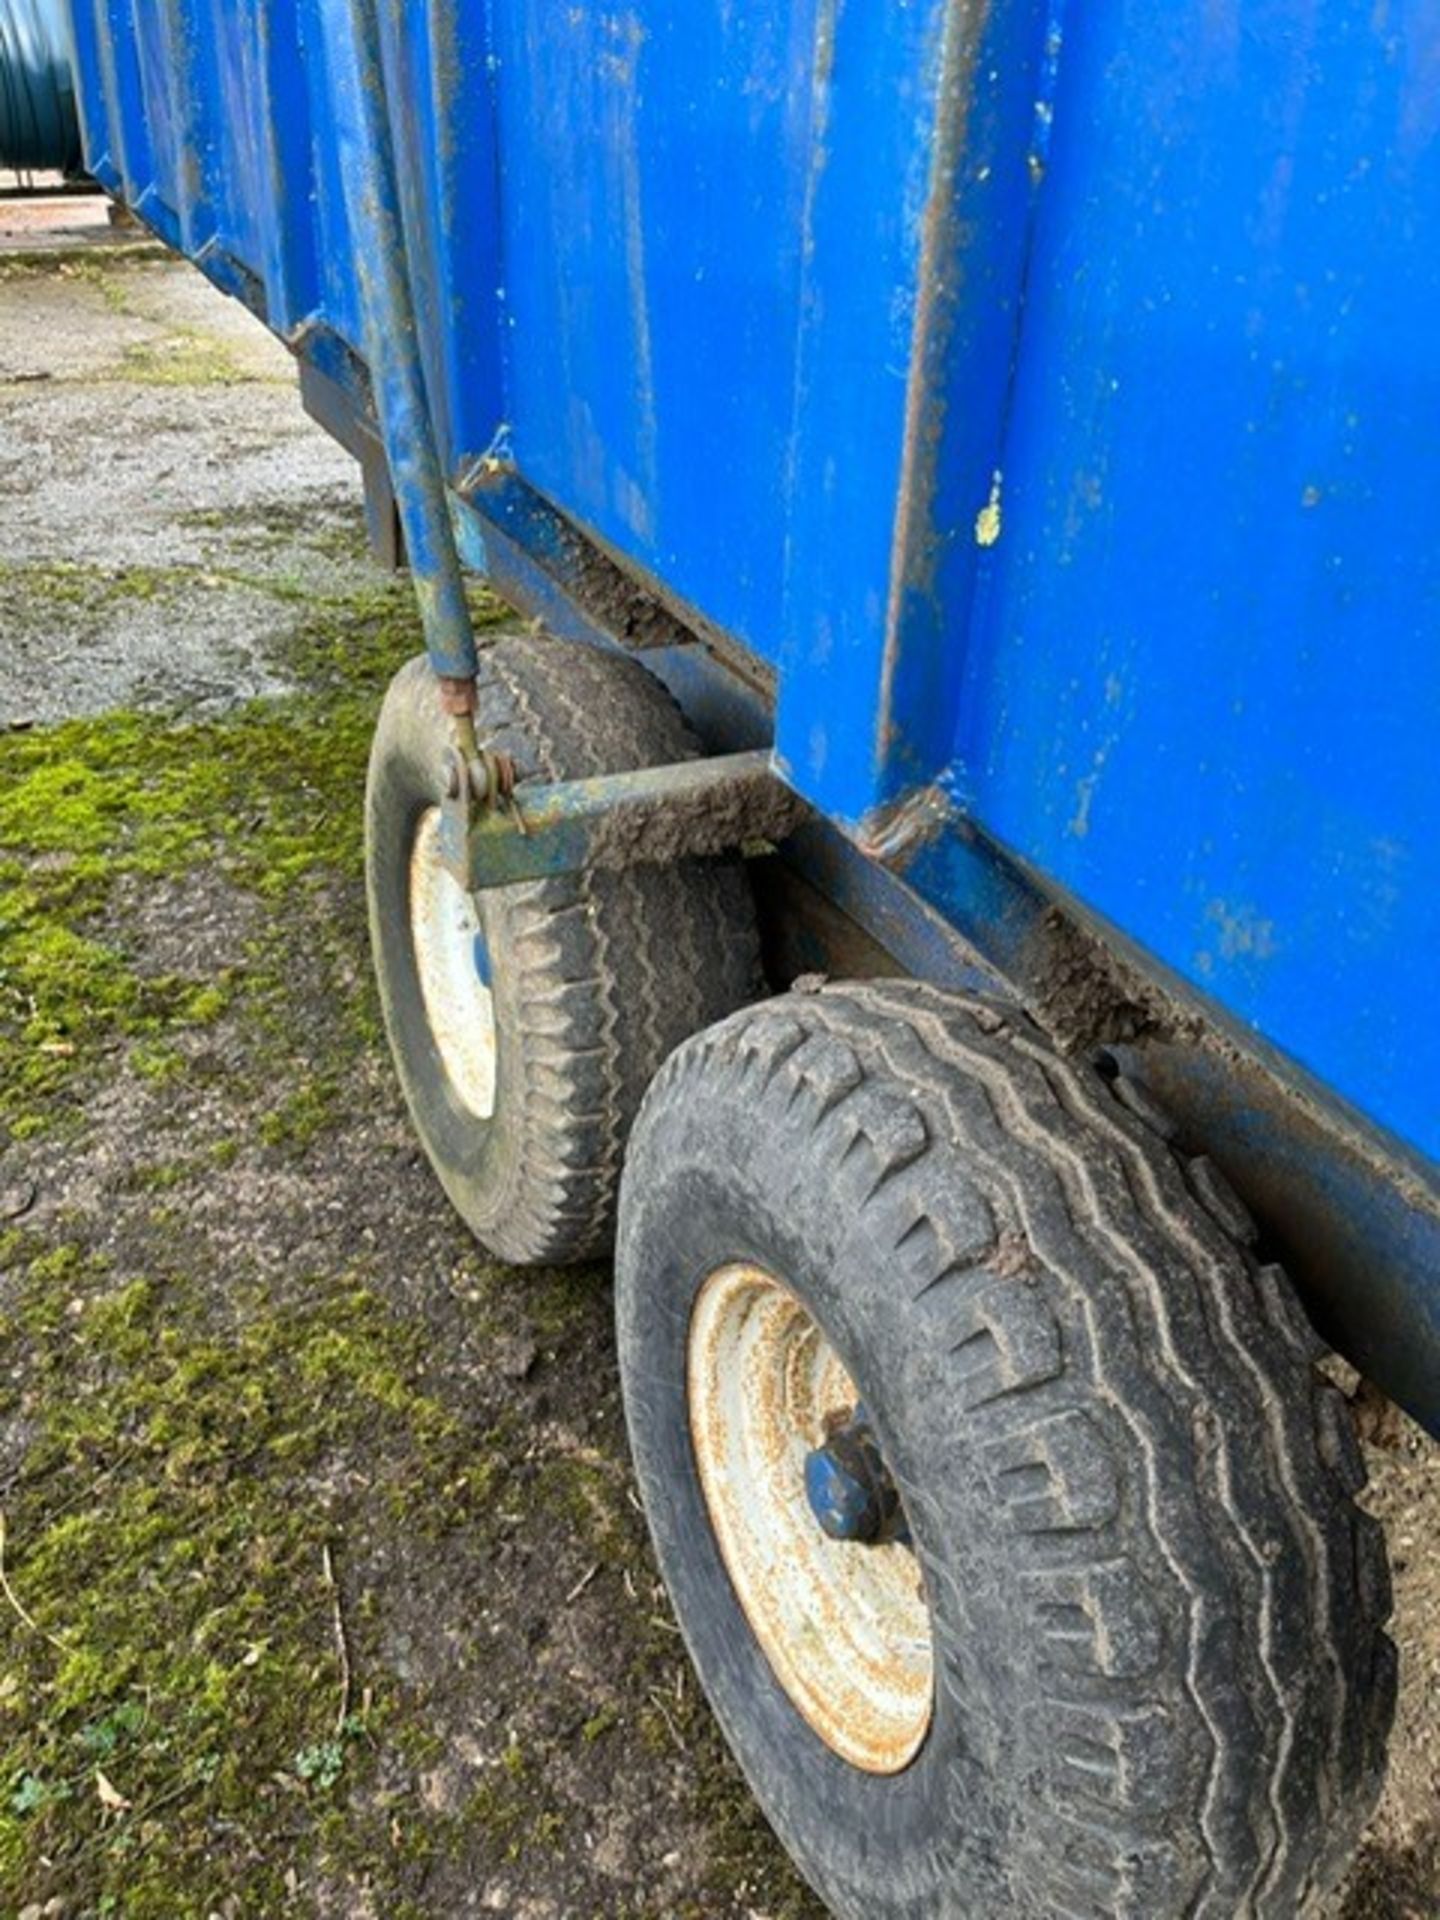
point(1202, 681)
point(873, 589)
point(655, 161)
point(440, 65)
point(1058, 413)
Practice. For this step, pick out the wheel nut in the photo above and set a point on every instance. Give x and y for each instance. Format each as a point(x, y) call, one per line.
point(849, 1487)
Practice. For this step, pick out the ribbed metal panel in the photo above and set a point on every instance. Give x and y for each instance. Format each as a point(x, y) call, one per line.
point(39, 128)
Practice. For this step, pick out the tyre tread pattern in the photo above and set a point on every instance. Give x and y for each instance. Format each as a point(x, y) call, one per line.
point(1205, 1603)
point(609, 971)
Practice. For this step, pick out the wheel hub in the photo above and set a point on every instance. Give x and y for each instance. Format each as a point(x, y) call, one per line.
point(453, 964)
point(808, 1520)
point(849, 1487)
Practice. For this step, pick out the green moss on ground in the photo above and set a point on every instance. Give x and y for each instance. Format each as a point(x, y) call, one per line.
point(180, 359)
point(42, 585)
point(106, 270)
point(180, 1449)
point(280, 528)
point(179, 1651)
point(270, 794)
point(170, 1692)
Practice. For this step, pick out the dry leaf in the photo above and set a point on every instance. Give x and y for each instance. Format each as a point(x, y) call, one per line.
point(110, 1795)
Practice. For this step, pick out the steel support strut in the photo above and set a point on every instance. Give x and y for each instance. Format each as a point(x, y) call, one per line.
point(492, 836)
point(655, 815)
point(392, 350)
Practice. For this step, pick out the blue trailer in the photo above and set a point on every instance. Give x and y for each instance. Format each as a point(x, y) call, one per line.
point(951, 875)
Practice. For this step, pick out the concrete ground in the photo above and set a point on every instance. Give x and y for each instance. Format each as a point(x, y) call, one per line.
point(324, 1590)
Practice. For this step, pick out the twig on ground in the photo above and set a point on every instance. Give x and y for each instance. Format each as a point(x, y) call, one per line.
point(657, 1700)
point(342, 1646)
point(14, 1599)
point(581, 1584)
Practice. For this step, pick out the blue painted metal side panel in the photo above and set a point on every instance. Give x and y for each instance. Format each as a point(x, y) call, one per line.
point(440, 66)
point(1049, 390)
point(1202, 688)
point(921, 287)
point(113, 116)
point(385, 208)
point(215, 121)
point(281, 111)
point(655, 166)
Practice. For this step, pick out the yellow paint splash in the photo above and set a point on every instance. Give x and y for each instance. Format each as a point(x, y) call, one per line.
point(988, 520)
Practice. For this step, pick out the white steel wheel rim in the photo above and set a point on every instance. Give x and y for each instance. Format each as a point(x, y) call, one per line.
point(845, 1627)
point(449, 947)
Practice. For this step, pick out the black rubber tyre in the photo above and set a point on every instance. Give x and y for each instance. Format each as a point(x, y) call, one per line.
point(595, 976)
point(1163, 1687)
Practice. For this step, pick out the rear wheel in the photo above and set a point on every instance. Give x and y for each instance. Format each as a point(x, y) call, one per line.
point(527, 1021)
point(1008, 1523)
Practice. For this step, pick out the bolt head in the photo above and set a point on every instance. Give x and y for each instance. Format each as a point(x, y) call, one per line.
point(845, 1507)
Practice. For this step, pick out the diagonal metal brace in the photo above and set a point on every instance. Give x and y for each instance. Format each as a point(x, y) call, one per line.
point(653, 816)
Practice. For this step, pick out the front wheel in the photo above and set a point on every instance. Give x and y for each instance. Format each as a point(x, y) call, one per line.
point(1007, 1521)
point(526, 1021)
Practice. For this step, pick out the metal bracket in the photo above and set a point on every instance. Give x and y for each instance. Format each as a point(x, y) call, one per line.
point(653, 816)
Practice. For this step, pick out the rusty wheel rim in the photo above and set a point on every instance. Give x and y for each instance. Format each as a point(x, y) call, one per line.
point(845, 1627)
point(453, 967)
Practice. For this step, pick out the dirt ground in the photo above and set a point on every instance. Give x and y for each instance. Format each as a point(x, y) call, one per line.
point(325, 1591)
